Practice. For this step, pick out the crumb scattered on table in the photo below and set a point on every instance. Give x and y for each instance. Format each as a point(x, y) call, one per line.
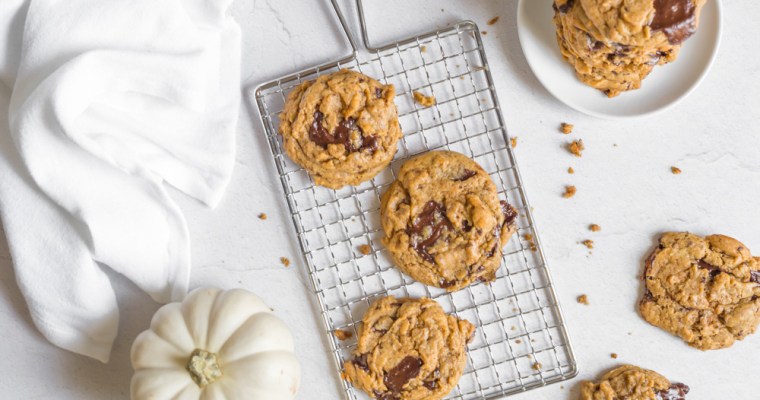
point(285, 261)
point(484, 33)
point(343, 335)
point(614, 355)
point(566, 128)
point(570, 170)
point(588, 243)
point(423, 48)
point(421, 99)
point(583, 299)
point(576, 147)
point(537, 366)
point(365, 249)
point(514, 328)
point(518, 341)
point(675, 170)
point(594, 228)
point(569, 191)
point(493, 20)
point(513, 142)
point(262, 216)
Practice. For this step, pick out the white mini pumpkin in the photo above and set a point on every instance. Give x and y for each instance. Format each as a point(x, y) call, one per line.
point(215, 345)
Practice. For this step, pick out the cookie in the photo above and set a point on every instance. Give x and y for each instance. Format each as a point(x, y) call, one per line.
point(633, 383)
point(342, 128)
point(613, 45)
point(408, 349)
point(443, 222)
point(705, 290)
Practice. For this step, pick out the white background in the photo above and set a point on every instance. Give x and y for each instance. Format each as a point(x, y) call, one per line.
point(623, 179)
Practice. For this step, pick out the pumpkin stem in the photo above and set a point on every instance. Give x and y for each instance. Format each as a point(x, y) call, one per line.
point(204, 367)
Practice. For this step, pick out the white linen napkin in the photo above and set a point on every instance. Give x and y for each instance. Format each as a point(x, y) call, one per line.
point(110, 99)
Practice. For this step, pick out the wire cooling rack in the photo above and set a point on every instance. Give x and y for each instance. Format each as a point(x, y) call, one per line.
point(521, 341)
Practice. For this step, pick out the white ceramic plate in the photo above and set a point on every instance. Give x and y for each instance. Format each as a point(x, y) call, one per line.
point(663, 88)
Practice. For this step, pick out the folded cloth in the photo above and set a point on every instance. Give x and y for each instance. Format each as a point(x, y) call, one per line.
point(109, 100)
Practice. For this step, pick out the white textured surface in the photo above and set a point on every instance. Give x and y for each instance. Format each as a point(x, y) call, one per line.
point(623, 179)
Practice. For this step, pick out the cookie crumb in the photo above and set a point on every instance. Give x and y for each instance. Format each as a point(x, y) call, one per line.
point(566, 128)
point(343, 335)
point(588, 243)
point(421, 99)
point(594, 228)
point(576, 147)
point(570, 170)
point(484, 33)
point(675, 170)
point(614, 355)
point(569, 191)
point(529, 239)
point(513, 142)
point(518, 341)
point(492, 20)
point(262, 216)
point(537, 366)
point(365, 249)
point(583, 299)
point(423, 48)
point(285, 261)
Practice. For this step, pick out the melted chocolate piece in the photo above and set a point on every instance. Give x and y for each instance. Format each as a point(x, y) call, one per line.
point(676, 18)
point(676, 391)
point(714, 271)
point(754, 276)
point(466, 226)
point(491, 252)
point(467, 175)
point(598, 45)
point(433, 215)
point(379, 93)
point(342, 134)
point(510, 214)
point(430, 385)
point(563, 8)
point(398, 376)
point(385, 396)
point(361, 362)
point(447, 284)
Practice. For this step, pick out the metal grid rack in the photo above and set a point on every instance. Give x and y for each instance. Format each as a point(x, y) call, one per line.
point(519, 322)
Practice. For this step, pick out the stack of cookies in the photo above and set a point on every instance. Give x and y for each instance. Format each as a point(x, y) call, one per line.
point(444, 226)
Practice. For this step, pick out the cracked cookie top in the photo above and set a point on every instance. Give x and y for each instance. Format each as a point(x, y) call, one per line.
point(408, 349)
point(633, 383)
point(342, 128)
point(705, 290)
point(444, 224)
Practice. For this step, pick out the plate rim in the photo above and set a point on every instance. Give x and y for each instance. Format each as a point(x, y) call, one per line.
point(522, 34)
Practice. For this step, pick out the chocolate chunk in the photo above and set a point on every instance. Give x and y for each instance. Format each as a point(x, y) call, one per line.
point(379, 93)
point(430, 385)
point(714, 271)
point(398, 376)
point(447, 284)
point(676, 391)
point(465, 176)
point(385, 395)
point(342, 134)
point(675, 18)
point(510, 214)
point(466, 226)
point(361, 362)
point(598, 45)
point(433, 215)
point(491, 252)
point(754, 276)
point(563, 8)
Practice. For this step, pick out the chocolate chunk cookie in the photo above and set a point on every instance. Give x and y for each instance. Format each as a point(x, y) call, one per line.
point(342, 128)
point(444, 224)
point(408, 349)
point(705, 290)
point(613, 45)
point(633, 383)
